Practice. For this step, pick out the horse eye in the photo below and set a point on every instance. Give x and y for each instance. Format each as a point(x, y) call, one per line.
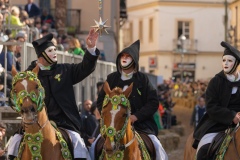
point(37, 86)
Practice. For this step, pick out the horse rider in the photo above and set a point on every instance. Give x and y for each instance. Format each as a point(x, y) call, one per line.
point(222, 103)
point(143, 98)
point(58, 80)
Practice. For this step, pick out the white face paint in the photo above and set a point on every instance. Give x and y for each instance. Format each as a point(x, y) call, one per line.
point(51, 52)
point(125, 59)
point(228, 63)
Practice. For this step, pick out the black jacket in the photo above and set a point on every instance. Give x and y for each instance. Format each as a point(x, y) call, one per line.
point(218, 115)
point(34, 10)
point(60, 99)
point(143, 98)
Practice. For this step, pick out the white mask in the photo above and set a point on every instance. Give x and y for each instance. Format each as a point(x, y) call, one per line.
point(125, 60)
point(228, 62)
point(51, 53)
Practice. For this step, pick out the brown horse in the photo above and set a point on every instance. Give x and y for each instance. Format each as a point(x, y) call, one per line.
point(189, 151)
point(40, 140)
point(229, 152)
point(121, 140)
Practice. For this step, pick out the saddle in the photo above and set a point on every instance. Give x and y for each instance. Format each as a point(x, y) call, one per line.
point(149, 145)
point(147, 141)
point(216, 144)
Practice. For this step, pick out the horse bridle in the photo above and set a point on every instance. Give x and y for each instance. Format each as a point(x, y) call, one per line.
point(111, 132)
point(17, 99)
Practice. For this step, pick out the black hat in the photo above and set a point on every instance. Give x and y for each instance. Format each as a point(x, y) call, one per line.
point(133, 51)
point(41, 45)
point(230, 50)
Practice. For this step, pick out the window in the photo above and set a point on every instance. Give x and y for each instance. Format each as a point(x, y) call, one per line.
point(151, 30)
point(184, 29)
point(140, 30)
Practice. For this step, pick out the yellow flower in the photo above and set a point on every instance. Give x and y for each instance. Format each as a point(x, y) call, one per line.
point(57, 77)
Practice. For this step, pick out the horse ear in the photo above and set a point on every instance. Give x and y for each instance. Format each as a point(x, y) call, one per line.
point(106, 88)
point(35, 70)
point(14, 71)
point(128, 91)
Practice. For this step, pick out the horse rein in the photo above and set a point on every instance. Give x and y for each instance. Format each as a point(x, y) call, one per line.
point(122, 147)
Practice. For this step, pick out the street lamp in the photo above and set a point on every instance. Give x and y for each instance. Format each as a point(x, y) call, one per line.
point(181, 39)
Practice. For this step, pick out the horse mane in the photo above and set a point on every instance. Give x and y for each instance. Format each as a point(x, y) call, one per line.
point(117, 90)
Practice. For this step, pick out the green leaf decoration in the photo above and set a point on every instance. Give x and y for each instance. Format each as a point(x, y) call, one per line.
point(119, 155)
point(38, 137)
point(115, 100)
point(110, 131)
point(106, 100)
point(22, 94)
point(110, 158)
point(64, 144)
point(33, 96)
point(34, 148)
point(103, 130)
point(57, 77)
point(28, 137)
point(124, 100)
point(139, 92)
point(65, 153)
point(37, 157)
point(31, 74)
point(22, 75)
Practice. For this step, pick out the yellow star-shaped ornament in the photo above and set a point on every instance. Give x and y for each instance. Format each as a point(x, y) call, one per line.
point(100, 26)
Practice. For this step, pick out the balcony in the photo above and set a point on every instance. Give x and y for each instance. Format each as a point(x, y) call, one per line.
point(188, 46)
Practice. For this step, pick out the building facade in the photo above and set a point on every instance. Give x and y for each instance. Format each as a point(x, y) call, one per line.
point(234, 30)
point(88, 12)
point(179, 38)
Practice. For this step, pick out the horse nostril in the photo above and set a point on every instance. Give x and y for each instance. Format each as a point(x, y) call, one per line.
point(32, 109)
point(28, 109)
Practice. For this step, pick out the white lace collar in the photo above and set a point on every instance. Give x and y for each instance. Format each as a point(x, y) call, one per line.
point(125, 76)
point(232, 78)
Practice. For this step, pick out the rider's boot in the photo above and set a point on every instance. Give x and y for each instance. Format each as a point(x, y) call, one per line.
point(11, 157)
point(202, 152)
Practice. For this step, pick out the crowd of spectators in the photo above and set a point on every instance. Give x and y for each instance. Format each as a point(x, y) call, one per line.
point(25, 24)
point(187, 94)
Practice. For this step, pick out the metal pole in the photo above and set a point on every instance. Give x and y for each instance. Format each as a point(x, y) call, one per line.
point(226, 19)
point(236, 29)
point(117, 25)
point(182, 56)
